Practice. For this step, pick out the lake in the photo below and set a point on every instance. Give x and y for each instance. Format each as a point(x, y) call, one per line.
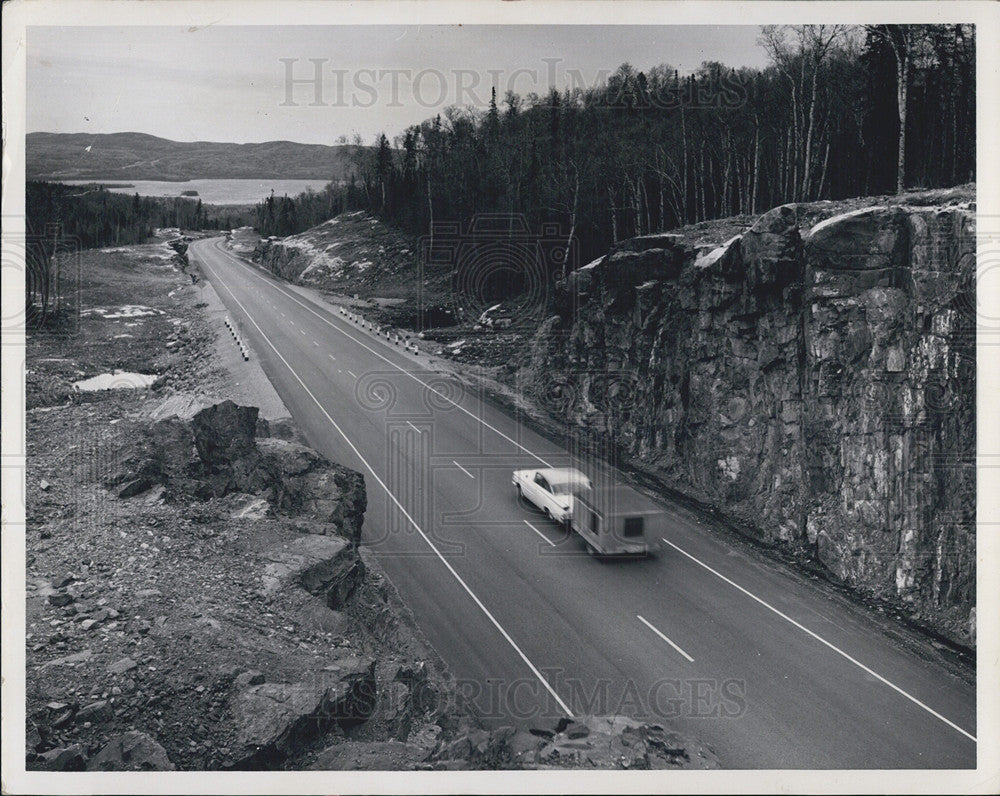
point(211, 192)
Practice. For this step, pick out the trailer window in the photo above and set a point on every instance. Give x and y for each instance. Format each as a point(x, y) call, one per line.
point(594, 522)
point(632, 527)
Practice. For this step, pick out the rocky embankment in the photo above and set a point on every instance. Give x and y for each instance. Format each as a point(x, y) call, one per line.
point(353, 253)
point(813, 378)
point(197, 597)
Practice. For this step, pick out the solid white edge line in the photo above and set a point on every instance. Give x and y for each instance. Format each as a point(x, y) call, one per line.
point(661, 635)
point(380, 356)
point(462, 469)
point(553, 544)
point(417, 528)
point(823, 641)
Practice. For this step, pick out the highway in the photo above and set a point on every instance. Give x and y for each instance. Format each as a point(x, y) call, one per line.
point(769, 668)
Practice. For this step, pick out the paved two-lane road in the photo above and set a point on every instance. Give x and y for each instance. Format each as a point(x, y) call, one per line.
point(769, 668)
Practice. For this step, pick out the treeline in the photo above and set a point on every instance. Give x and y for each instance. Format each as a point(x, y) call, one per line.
point(841, 111)
point(64, 218)
point(285, 215)
point(91, 215)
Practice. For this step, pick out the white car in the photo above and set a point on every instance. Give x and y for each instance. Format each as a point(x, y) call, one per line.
point(552, 489)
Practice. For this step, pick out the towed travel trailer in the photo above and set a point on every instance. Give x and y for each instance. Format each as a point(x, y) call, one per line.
point(617, 521)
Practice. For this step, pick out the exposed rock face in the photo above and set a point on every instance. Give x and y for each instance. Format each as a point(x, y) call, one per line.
point(819, 388)
point(891, 382)
point(285, 260)
point(349, 252)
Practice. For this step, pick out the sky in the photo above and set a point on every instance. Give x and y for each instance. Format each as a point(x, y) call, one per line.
point(315, 84)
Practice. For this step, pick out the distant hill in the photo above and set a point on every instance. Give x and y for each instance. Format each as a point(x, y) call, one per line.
point(137, 156)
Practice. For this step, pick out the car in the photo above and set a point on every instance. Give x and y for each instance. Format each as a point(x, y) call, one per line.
point(552, 490)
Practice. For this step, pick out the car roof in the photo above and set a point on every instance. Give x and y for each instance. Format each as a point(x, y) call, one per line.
point(563, 475)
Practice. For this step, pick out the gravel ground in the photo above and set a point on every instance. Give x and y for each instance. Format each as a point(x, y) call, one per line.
point(142, 613)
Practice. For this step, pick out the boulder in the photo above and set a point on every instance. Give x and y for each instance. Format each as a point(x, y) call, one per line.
point(122, 666)
point(225, 433)
point(325, 566)
point(133, 751)
point(60, 599)
point(67, 758)
point(94, 712)
point(33, 737)
point(305, 483)
point(275, 718)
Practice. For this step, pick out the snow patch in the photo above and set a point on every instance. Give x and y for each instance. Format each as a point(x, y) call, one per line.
point(159, 251)
point(836, 219)
point(125, 311)
point(321, 262)
point(119, 380)
point(707, 260)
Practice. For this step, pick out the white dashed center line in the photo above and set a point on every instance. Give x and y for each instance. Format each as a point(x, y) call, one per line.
point(682, 652)
point(551, 543)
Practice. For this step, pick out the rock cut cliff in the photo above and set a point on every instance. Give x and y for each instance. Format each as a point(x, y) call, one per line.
point(813, 378)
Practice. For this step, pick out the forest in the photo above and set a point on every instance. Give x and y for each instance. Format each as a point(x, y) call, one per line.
point(91, 215)
point(840, 111)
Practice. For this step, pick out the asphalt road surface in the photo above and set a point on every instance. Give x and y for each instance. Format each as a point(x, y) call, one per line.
point(769, 668)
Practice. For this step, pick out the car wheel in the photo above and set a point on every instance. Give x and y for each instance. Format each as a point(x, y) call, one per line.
point(548, 514)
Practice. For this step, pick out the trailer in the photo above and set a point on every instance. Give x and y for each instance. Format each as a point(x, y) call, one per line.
point(617, 520)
